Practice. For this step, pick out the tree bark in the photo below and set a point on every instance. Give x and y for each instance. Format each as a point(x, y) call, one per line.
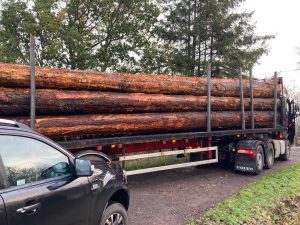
point(16, 102)
point(12, 75)
point(129, 124)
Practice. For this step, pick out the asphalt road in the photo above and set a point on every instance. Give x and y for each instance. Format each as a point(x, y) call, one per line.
point(176, 196)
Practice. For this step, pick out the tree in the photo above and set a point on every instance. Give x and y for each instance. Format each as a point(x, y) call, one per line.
point(16, 24)
point(83, 34)
point(197, 32)
point(153, 36)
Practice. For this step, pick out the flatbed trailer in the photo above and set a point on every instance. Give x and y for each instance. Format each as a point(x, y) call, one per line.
point(248, 149)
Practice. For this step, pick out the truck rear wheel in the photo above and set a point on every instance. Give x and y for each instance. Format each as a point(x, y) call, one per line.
point(269, 156)
point(259, 159)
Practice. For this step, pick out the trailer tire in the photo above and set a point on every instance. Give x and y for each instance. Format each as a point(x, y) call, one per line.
point(259, 159)
point(287, 154)
point(269, 156)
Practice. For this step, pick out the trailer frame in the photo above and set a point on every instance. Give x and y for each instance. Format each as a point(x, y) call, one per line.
point(206, 137)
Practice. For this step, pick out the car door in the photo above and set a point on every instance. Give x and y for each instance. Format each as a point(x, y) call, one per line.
point(41, 188)
point(2, 213)
point(2, 186)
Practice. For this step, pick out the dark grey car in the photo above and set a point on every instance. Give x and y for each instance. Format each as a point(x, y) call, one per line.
point(41, 183)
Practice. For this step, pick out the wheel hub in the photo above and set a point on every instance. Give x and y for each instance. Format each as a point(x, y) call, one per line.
point(259, 160)
point(115, 219)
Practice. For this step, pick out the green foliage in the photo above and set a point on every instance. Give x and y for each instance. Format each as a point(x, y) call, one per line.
point(162, 36)
point(198, 32)
point(84, 34)
point(256, 200)
point(16, 24)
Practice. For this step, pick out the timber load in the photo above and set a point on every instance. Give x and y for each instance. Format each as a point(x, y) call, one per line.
point(80, 103)
point(19, 76)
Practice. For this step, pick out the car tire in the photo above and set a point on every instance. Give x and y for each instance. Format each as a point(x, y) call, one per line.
point(114, 212)
point(259, 159)
point(269, 156)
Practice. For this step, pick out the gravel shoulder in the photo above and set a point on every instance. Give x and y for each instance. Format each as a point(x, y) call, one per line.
point(176, 196)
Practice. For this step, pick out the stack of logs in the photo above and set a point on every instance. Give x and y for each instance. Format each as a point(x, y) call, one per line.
point(78, 103)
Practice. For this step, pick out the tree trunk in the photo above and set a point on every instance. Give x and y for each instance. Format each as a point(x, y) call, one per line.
point(12, 75)
point(16, 102)
point(129, 124)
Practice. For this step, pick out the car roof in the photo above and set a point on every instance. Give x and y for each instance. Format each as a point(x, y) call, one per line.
point(14, 127)
point(17, 128)
point(11, 125)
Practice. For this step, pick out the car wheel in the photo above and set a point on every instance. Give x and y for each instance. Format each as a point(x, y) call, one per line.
point(259, 159)
point(114, 214)
point(269, 162)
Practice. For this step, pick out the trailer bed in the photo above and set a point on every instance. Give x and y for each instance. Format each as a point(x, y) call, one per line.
point(91, 143)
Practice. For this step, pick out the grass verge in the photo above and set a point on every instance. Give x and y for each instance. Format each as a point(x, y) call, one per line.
point(272, 199)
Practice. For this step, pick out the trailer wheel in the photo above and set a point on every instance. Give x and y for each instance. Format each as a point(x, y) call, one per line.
point(287, 154)
point(269, 156)
point(259, 159)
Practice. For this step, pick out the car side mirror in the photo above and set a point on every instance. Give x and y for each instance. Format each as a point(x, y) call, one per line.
point(83, 168)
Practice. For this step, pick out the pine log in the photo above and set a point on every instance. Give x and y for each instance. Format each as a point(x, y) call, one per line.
point(12, 75)
point(16, 102)
point(128, 124)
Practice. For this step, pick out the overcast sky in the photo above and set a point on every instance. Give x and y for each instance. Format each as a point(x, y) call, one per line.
point(281, 18)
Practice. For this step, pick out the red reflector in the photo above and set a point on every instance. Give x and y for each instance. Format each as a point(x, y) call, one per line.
point(99, 148)
point(120, 146)
point(246, 151)
point(279, 135)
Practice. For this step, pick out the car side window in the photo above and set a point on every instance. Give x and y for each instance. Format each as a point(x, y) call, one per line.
point(27, 160)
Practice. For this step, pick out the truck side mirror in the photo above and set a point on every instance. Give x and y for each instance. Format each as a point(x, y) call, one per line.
point(83, 168)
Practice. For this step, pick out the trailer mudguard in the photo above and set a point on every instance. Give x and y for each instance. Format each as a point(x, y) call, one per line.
point(246, 162)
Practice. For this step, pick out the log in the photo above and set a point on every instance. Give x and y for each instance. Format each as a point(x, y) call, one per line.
point(16, 102)
point(12, 75)
point(129, 124)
